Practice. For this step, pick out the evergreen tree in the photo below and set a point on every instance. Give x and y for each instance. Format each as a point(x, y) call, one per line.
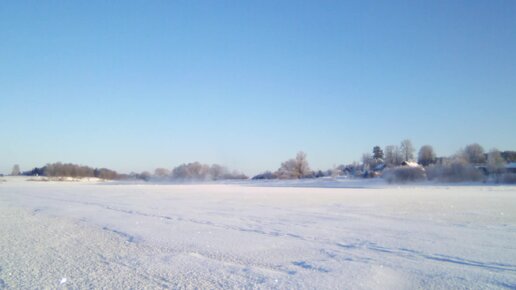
point(377, 152)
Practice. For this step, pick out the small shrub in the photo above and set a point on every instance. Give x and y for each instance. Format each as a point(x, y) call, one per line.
point(265, 175)
point(509, 178)
point(404, 174)
point(454, 171)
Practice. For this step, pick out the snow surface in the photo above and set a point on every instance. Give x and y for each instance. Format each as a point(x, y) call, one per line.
point(281, 235)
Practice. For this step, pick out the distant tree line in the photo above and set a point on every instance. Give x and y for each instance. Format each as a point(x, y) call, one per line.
point(72, 170)
point(194, 171)
point(396, 163)
point(197, 171)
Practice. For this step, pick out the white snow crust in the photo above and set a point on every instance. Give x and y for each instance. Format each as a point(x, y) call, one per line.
point(256, 235)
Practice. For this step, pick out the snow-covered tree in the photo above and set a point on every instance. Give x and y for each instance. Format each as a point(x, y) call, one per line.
point(194, 170)
point(295, 168)
point(161, 172)
point(426, 155)
point(474, 153)
point(368, 161)
point(198, 171)
point(16, 170)
point(495, 161)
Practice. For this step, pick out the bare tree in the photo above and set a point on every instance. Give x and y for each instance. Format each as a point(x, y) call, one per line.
point(407, 150)
point(426, 155)
point(389, 155)
point(16, 170)
point(474, 153)
point(392, 155)
point(368, 161)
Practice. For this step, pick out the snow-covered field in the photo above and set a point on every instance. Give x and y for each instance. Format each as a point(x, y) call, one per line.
point(256, 235)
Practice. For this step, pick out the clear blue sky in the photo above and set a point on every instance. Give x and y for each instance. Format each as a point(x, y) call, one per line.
point(135, 85)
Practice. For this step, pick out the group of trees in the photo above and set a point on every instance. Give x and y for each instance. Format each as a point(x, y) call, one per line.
point(471, 163)
point(392, 155)
point(70, 170)
point(185, 172)
point(396, 155)
point(194, 171)
point(198, 171)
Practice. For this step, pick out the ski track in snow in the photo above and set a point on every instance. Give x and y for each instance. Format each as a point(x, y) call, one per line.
point(63, 235)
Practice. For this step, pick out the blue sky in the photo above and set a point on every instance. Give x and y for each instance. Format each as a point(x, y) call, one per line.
point(135, 85)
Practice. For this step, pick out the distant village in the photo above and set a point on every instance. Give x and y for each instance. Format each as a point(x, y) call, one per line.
point(400, 164)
